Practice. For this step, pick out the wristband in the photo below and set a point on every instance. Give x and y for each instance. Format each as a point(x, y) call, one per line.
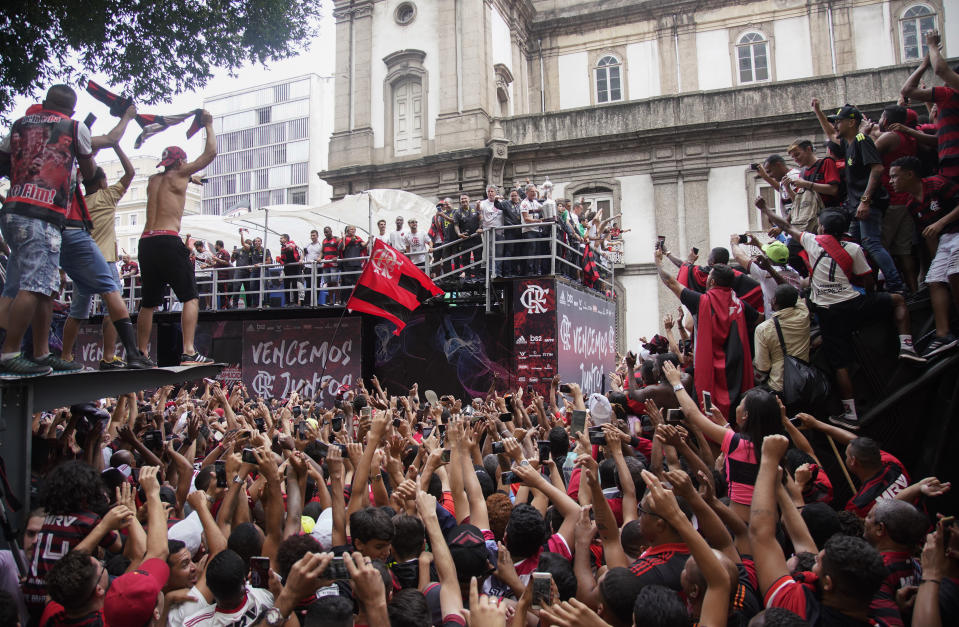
point(678, 387)
point(922, 581)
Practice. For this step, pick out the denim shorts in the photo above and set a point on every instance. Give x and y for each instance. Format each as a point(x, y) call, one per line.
point(82, 302)
point(81, 259)
point(34, 255)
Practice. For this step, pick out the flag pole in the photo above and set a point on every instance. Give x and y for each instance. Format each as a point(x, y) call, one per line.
point(339, 321)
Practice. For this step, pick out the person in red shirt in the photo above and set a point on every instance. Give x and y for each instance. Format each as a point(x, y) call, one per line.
point(290, 258)
point(895, 528)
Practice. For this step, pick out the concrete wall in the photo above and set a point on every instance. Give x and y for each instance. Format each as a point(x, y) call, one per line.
point(871, 27)
point(712, 56)
point(728, 204)
point(949, 27)
point(574, 80)
point(793, 48)
point(642, 67)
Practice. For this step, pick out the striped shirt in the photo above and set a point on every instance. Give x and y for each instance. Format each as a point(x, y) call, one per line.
point(948, 130)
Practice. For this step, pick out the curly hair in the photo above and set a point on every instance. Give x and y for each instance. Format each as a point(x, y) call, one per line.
point(72, 487)
point(69, 580)
point(291, 550)
point(499, 507)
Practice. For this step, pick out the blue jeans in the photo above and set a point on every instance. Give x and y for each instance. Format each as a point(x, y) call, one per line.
point(34, 264)
point(869, 234)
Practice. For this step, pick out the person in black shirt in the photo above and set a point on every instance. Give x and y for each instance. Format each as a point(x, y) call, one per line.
point(352, 249)
point(866, 199)
point(242, 257)
point(466, 222)
point(511, 217)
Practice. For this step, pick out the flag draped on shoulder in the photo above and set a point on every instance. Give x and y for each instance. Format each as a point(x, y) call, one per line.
point(391, 286)
point(149, 122)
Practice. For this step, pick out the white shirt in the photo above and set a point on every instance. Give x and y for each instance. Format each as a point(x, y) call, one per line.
point(200, 261)
point(768, 283)
point(180, 612)
point(415, 247)
point(490, 214)
point(383, 238)
point(312, 251)
point(830, 285)
point(257, 600)
point(535, 211)
point(397, 239)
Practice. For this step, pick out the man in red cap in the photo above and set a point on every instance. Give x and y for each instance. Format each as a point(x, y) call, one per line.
point(164, 259)
point(136, 597)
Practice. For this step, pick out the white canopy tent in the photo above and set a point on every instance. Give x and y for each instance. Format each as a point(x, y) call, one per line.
point(361, 210)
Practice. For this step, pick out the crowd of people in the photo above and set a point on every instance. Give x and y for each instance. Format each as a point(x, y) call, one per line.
point(697, 490)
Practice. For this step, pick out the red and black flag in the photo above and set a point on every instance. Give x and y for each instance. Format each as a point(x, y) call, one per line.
point(590, 270)
point(391, 286)
point(149, 122)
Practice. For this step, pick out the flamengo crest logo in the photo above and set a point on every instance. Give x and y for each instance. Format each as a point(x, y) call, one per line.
point(534, 299)
point(384, 262)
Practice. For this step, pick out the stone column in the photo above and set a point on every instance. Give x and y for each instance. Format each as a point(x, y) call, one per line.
point(696, 216)
point(665, 196)
point(352, 140)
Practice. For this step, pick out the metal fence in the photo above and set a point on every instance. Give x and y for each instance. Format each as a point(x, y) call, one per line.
point(468, 264)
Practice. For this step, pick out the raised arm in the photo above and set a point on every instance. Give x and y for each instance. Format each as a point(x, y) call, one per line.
point(116, 133)
point(938, 62)
point(361, 474)
point(779, 221)
point(128, 170)
point(209, 149)
point(451, 600)
point(763, 515)
point(668, 279)
point(827, 127)
point(710, 429)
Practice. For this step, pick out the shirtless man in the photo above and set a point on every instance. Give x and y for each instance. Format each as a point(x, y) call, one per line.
point(164, 259)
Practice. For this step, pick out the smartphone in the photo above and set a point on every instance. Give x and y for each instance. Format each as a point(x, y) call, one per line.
point(498, 448)
point(446, 455)
point(153, 439)
point(260, 572)
point(260, 424)
point(505, 416)
point(543, 446)
point(442, 429)
point(219, 466)
point(366, 412)
point(249, 457)
point(597, 437)
point(695, 250)
point(508, 478)
point(754, 166)
point(427, 431)
point(796, 421)
point(565, 389)
point(337, 424)
point(336, 569)
point(244, 434)
point(578, 421)
point(542, 590)
point(674, 416)
point(707, 401)
point(661, 242)
point(396, 423)
point(743, 238)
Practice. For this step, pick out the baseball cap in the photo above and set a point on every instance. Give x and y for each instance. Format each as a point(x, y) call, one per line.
point(600, 411)
point(846, 112)
point(133, 596)
point(171, 154)
point(777, 252)
point(912, 118)
point(468, 550)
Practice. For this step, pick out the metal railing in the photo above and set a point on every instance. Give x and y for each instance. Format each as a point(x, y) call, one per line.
point(468, 264)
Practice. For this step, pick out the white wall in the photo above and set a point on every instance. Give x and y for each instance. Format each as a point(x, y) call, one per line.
point(639, 215)
point(728, 204)
point(641, 294)
point(321, 126)
point(712, 59)
point(642, 63)
point(389, 37)
point(949, 27)
point(793, 48)
point(502, 52)
point(872, 34)
point(575, 80)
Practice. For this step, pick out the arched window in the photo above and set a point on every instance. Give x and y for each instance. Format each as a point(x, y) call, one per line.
point(609, 85)
point(916, 21)
point(752, 54)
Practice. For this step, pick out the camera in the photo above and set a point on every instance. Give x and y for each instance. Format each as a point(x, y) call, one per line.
point(597, 437)
point(498, 448)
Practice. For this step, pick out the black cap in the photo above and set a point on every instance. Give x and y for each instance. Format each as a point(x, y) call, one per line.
point(468, 550)
point(846, 112)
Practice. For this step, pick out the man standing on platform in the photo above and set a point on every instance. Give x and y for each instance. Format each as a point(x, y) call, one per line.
point(312, 253)
point(164, 259)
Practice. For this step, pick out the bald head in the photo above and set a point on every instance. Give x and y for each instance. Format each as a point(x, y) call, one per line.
point(694, 583)
point(61, 98)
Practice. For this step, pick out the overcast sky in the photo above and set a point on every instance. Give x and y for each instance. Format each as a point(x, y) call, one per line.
point(319, 59)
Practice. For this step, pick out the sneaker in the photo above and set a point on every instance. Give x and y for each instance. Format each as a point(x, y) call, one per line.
point(20, 367)
point(114, 364)
point(58, 364)
point(909, 354)
point(196, 359)
point(846, 421)
point(941, 345)
point(139, 361)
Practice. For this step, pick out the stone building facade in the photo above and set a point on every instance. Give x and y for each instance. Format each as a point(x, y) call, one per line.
point(649, 108)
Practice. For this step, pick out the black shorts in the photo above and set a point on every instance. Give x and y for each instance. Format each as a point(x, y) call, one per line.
point(165, 260)
point(840, 320)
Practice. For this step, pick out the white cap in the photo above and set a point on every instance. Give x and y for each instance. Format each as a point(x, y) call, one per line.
point(600, 411)
point(323, 529)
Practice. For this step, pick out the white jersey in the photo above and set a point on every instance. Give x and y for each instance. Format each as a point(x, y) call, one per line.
point(256, 602)
point(415, 247)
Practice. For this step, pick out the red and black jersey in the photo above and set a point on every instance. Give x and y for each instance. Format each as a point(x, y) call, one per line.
point(745, 287)
point(906, 148)
point(885, 484)
point(58, 536)
point(825, 172)
point(939, 196)
point(662, 565)
point(330, 250)
point(902, 572)
point(798, 595)
point(819, 488)
point(289, 253)
point(948, 130)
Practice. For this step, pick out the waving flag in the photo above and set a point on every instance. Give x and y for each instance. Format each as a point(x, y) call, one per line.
point(150, 123)
point(391, 286)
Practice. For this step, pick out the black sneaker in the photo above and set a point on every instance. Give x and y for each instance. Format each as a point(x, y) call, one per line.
point(941, 345)
point(845, 421)
point(20, 367)
point(909, 353)
point(115, 364)
point(139, 361)
point(196, 359)
point(59, 365)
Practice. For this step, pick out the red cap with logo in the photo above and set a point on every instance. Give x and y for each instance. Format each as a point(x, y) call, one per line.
point(171, 155)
